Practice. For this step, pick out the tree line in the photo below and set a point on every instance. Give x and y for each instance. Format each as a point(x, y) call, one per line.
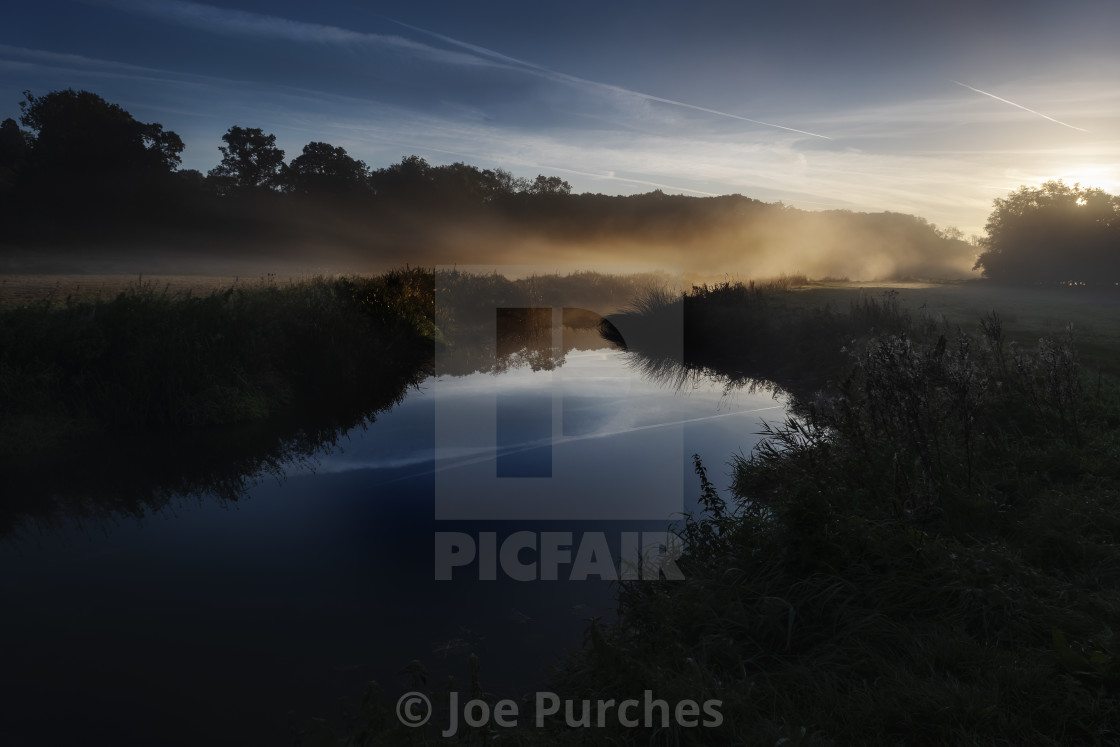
point(80, 163)
point(77, 167)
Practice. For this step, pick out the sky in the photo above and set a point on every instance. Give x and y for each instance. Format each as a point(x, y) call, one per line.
point(933, 109)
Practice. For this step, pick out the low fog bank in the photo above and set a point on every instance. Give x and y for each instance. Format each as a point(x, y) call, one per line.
point(711, 237)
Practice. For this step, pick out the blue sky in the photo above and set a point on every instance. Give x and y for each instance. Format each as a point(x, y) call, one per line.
point(933, 108)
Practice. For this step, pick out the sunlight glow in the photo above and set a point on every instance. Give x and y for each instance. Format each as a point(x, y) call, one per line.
point(1091, 177)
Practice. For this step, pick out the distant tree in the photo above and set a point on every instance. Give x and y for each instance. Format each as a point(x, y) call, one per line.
point(164, 145)
point(549, 185)
point(463, 184)
point(15, 144)
point(88, 166)
point(78, 133)
point(507, 184)
point(412, 177)
point(192, 178)
point(1053, 233)
point(324, 169)
point(250, 161)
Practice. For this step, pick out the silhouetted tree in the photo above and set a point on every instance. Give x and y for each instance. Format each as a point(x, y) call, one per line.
point(411, 177)
point(15, 144)
point(164, 145)
point(1053, 233)
point(549, 185)
point(78, 132)
point(250, 161)
point(508, 184)
point(90, 163)
point(324, 169)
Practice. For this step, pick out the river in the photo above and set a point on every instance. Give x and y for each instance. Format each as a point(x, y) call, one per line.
point(211, 621)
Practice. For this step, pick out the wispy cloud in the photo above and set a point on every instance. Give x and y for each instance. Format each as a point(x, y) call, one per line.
point(571, 79)
point(1020, 106)
point(612, 176)
point(213, 19)
point(222, 20)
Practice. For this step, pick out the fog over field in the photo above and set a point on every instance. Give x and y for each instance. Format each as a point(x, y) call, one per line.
point(764, 241)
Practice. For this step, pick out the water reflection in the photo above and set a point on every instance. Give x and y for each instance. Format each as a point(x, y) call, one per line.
point(222, 616)
point(131, 475)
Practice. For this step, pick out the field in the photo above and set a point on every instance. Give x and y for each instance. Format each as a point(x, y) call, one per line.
point(1027, 313)
point(22, 289)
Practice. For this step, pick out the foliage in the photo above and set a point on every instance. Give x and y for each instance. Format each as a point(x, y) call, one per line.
point(150, 359)
point(924, 555)
point(325, 170)
point(15, 144)
point(250, 160)
point(79, 132)
point(549, 185)
point(1053, 233)
point(83, 165)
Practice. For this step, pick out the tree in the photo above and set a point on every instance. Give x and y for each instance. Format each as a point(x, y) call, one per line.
point(164, 146)
point(410, 178)
point(250, 161)
point(507, 184)
point(15, 144)
point(88, 167)
point(79, 134)
point(1053, 233)
point(549, 185)
point(324, 169)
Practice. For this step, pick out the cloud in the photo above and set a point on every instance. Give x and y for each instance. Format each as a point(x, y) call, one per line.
point(1032, 111)
point(930, 155)
point(565, 78)
point(211, 19)
point(221, 20)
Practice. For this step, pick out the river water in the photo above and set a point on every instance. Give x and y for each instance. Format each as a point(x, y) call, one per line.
point(211, 621)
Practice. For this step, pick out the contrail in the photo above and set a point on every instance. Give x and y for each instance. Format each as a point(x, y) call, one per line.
point(564, 77)
point(1020, 106)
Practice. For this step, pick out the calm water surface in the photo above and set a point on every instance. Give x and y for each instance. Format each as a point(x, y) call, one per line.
point(209, 622)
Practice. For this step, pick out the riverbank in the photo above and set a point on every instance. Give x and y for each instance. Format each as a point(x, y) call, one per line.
point(924, 553)
point(152, 357)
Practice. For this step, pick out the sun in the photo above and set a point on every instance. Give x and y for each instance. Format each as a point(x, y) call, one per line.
point(1095, 177)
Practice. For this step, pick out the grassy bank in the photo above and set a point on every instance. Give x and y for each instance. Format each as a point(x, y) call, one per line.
point(924, 553)
point(148, 358)
point(739, 331)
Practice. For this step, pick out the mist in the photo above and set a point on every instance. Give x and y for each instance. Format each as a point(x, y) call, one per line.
point(707, 238)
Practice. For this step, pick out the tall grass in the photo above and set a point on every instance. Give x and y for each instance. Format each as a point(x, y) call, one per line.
point(740, 330)
point(148, 358)
point(925, 555)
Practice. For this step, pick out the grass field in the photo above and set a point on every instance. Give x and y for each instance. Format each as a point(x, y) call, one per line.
point(1027, 313)
point(22, 289)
